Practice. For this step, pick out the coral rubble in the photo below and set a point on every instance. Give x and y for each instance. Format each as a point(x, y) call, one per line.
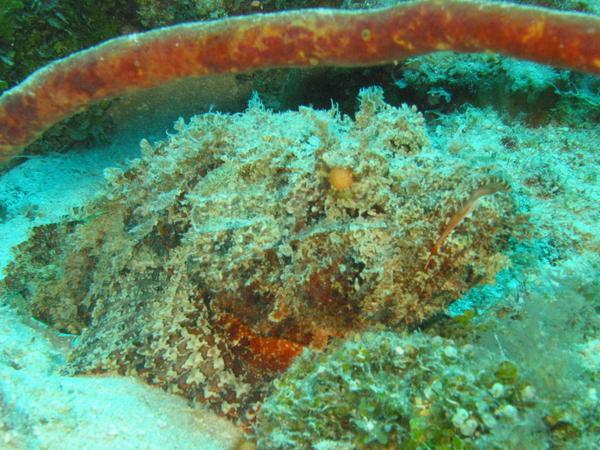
point(223, 252)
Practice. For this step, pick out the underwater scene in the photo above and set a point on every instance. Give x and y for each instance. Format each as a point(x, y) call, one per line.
point(302, 224)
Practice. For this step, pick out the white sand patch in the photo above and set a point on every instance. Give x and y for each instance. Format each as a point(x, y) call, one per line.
point(42, 409)
point(46, 188)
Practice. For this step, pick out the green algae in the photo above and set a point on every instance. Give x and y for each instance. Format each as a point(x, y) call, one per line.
point(385, 390)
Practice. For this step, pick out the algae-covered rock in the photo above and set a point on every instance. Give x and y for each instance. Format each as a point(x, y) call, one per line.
point(219, 255)
point(382, 390)
point(385, 390)
point(523, 379)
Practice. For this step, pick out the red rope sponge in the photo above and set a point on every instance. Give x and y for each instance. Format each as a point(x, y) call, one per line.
point(317, 37)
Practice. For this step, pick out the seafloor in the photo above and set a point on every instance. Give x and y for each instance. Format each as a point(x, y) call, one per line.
point(443, 293)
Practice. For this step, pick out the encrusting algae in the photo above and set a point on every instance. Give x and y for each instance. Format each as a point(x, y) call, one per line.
point(223, 252)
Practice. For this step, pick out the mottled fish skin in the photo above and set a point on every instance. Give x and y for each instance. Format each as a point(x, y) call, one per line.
point(306, 38)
